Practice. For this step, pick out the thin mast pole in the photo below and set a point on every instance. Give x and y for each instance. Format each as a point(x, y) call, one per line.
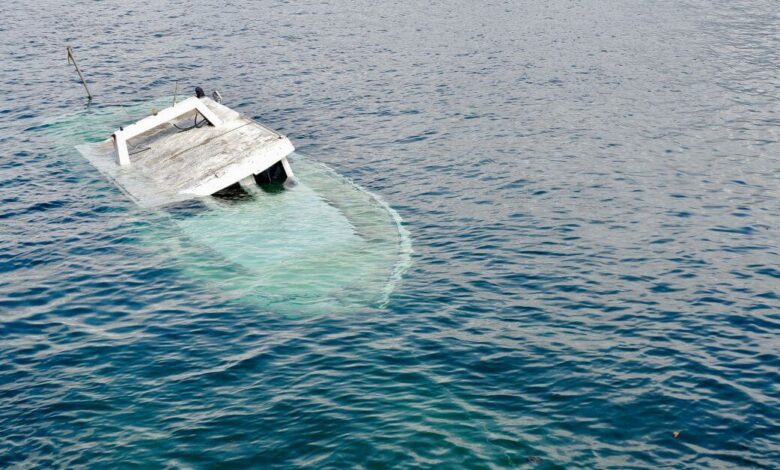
point(72, 60)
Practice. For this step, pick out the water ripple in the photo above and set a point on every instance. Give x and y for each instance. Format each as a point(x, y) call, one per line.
point(592, 192)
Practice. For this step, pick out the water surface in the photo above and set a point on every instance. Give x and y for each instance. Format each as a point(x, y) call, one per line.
point(592, 192)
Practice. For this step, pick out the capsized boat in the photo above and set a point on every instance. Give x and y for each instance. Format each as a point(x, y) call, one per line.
point(236, 218)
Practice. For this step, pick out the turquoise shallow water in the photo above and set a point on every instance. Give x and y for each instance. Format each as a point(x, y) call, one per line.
point(591, 190)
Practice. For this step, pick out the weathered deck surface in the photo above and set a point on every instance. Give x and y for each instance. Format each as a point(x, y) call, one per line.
point(168, 165)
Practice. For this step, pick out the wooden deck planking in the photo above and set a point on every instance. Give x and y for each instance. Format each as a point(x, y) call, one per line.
point(197, 162)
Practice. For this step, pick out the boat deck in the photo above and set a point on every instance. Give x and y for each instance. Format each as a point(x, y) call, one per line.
point(176, 165)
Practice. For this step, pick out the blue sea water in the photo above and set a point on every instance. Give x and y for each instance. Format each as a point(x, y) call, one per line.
point(592, 190)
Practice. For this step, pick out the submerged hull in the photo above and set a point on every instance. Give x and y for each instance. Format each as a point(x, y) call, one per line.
point(325, 245)
point(321, 246)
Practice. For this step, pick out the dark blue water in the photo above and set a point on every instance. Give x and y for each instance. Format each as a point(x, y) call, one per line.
point(592, 192)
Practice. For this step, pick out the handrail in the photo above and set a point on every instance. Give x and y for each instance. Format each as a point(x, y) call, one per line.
point(148, 123)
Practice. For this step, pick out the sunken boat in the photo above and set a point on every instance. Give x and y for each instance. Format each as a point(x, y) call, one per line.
point(237, 210)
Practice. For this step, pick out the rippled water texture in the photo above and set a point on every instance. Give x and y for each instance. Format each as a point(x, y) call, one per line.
point(592, 192)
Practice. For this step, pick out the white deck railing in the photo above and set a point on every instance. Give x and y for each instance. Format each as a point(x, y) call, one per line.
point(146, 124)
